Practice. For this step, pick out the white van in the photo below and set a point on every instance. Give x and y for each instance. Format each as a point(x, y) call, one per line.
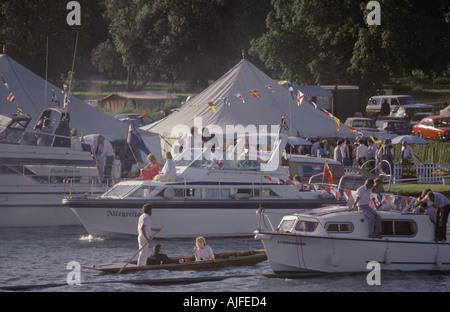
point(373, 107)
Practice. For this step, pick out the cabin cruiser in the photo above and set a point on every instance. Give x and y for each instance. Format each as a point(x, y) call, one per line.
point(335, 240)
point(38, 169)
point(211, 196)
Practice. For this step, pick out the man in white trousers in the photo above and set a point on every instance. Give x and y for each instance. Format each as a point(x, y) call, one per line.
point(362, 202)
point(144, 229)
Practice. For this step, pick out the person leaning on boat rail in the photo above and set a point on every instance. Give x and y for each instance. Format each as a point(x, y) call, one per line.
point(442, 204)
point(202, 251)
point(144, 230)
point(362, 201)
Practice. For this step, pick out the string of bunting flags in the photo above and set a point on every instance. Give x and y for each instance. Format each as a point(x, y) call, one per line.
point(254, 93)
point(377, 201)
point(11, 97)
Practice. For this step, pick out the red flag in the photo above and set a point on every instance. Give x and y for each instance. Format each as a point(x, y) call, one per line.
point(10, 97)
point(212, 106)
point(300, 98)
point(328, 174)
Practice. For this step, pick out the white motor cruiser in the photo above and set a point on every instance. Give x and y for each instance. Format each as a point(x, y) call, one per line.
point(210, 197)
point(336, 240)
point(38, 169)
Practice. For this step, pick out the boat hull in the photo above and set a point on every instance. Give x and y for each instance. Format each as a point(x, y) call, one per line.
point(35, 205)
point(181, 218)
point(223, 260)
point(291, 253)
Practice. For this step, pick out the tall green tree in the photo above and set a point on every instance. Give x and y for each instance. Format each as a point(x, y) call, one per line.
point(330, 42)
point(191, 40)
point(25, 26)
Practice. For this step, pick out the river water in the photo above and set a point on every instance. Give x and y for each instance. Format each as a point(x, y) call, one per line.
point(38, 257)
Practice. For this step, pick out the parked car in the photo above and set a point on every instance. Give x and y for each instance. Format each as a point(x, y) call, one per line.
point(407, 111)
point(138, 120)
point(416, 118)
point(433, 127)
point(365, 125)
point(399, 127)
point(374, 106)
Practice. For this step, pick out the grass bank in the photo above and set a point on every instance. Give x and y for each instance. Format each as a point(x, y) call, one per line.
point(416, 189)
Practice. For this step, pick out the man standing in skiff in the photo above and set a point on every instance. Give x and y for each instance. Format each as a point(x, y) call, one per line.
point(362, 200)
point(144, 230)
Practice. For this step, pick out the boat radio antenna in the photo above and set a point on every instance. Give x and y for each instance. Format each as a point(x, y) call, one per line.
point(73, 64)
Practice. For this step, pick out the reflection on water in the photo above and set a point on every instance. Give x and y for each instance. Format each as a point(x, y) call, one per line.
point(39, 256)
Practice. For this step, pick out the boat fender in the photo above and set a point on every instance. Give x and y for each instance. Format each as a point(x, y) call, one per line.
point(334, 260)
point(438, 260)
point(169, 193)
point(387, 256)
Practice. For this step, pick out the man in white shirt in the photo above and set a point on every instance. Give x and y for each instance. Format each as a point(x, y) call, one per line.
point(144, 230)
point(362, 153)
point(337, 151)
point(407, 153)
point(362, 201)
point(105, 155)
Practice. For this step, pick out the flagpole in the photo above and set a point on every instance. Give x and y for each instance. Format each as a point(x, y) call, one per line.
point(324, 169)
point(46, 76)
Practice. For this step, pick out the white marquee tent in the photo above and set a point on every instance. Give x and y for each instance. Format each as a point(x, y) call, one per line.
point(246, 96)
point(30, 95)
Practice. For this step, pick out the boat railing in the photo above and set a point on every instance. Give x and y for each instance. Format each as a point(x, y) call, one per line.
point(68, 175)
point(263, 220)
point(35, 138)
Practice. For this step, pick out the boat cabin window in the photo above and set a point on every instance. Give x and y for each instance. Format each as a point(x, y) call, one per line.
point(308, 170)
point(217, 193)
point(143, 191)
point(120, 190)
point(286, 225)
point(344, 227)
point(188, 192)
point(398, 228)
point(265, 192)
point(306, 226)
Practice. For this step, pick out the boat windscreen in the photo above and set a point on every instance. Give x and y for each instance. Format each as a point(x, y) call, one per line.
point(120, 190)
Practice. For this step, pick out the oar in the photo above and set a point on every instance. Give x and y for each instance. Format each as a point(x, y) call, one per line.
point(120, 271)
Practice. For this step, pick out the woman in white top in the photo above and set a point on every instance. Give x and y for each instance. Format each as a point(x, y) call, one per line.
point(202, 251)
point(169, 171)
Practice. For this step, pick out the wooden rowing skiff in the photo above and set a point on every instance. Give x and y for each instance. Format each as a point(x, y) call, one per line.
point(222, 260)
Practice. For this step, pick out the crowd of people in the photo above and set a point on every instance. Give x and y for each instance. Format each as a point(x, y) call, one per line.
point(375, 156)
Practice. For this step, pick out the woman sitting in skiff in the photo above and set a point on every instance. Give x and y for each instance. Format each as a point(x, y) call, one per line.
point(202, 251)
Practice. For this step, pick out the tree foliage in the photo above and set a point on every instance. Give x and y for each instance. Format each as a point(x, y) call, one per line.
point(191, 41)
point(25, 26)
point(330, 42)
